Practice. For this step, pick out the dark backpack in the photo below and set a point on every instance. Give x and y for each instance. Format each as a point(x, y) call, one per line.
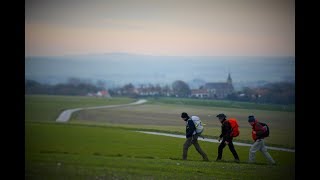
point(266, 129)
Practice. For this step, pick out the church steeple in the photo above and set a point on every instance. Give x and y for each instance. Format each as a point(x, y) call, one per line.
point(229, 80)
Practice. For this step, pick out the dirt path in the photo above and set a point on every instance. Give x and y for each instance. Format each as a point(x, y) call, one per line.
point(65, 115)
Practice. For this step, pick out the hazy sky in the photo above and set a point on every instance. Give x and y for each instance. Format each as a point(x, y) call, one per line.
point(160, 27)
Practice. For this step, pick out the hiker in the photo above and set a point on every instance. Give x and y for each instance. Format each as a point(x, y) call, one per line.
point(192, 138)
point(258, 137)
point(226, 137)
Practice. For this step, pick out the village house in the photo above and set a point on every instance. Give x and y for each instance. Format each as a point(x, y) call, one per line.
point(199, 93)
point(103, 93)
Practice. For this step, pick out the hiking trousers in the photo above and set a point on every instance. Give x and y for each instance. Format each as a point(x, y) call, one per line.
point(231, 147)
point(259, 146)
point(193, 140)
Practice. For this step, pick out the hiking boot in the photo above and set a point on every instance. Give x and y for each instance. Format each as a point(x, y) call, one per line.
point(206, 159)
point(237, 160)
point(218, 160)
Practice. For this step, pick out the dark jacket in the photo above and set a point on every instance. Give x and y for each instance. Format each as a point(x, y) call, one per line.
point(226, 131)
point(190, 128)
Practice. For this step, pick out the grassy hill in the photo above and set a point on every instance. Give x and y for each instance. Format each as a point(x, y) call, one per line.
point(69, 151)
point(104, 144)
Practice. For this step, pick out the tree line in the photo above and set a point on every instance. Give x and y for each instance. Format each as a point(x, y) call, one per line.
point(276, 93)
point(73, 87)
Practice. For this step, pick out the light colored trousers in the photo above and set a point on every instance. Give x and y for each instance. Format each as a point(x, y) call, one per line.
point(259, 146)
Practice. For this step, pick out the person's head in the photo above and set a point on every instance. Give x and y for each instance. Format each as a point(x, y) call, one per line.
point(221, 117)
point(185, 116)
point(251, 119)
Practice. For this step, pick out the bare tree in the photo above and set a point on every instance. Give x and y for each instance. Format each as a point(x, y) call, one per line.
point(181, 89)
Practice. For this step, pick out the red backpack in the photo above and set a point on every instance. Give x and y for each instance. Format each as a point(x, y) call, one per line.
point(234, 126)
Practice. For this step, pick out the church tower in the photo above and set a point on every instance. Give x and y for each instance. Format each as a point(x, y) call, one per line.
point(229, 80)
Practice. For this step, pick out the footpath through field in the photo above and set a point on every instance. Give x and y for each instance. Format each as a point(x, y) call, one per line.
point(65, 115)
point(214, 140)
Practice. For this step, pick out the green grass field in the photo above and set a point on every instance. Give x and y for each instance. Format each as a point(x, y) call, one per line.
point(69, 151)
point(103, 144)
point(223, 103)
point(48, 108)
point(160, 117)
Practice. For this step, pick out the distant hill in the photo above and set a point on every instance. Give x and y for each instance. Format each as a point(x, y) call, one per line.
point(121, 68)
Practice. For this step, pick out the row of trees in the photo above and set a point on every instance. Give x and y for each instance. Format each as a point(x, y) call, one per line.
point(178, 89)
point(73, 87)
point(277, 93)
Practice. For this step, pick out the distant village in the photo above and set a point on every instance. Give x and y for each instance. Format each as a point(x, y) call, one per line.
point(278, 92)
point(211, 90)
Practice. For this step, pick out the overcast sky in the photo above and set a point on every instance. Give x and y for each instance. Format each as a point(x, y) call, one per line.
point(160, 27)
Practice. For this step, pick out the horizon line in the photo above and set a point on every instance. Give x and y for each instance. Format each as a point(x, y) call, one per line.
point(142, 54)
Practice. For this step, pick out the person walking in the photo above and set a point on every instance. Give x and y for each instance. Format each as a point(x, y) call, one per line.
point(226, 138)
point(258, 136)
point(192, 138)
